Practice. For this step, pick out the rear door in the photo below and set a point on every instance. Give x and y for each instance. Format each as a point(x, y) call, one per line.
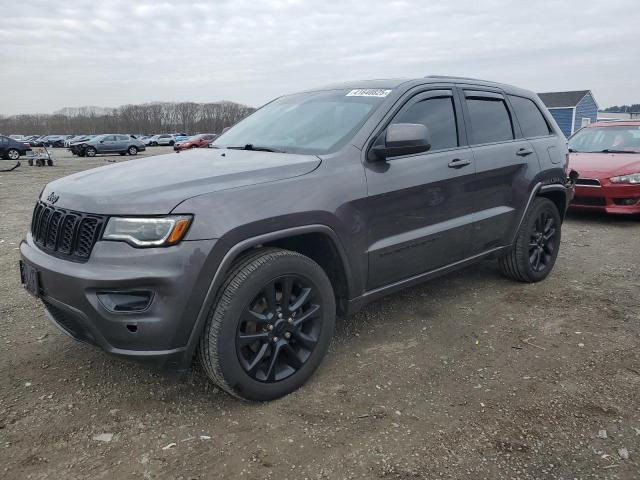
point(418, 207)
point(122, 142)
point(505, 163)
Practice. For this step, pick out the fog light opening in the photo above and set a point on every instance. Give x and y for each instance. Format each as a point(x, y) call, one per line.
point(125, 302)
point(132, 327)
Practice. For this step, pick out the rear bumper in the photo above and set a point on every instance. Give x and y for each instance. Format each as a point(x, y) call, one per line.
point(161, 333)
point(608, 197)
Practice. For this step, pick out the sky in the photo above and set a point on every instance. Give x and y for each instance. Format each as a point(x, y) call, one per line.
point(56, 53)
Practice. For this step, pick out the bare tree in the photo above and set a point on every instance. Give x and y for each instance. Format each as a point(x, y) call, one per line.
point(188, 117)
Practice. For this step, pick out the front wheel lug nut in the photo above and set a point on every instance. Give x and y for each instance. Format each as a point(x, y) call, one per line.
point(269, 327)
point(290, 320)
point(275, 339)
point(287, 335)
point(280, 315)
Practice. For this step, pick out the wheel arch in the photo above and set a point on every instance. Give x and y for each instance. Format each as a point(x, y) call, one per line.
point(558, 195)
point(318, 242)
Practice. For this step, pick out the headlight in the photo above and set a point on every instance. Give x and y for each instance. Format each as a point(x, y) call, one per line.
point(631, 178)
point(147, 232)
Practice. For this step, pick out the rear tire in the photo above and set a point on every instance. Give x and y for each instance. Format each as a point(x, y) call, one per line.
point(537, 244)
point(133, 150)
point(90, 152)
point(13, 154)
point(270, 327)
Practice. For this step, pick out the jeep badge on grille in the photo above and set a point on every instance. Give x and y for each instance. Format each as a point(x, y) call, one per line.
point(53, 198)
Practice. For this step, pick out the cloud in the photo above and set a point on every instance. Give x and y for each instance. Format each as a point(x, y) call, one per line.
point(57, 54)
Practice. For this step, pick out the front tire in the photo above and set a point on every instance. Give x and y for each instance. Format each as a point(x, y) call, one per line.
point(13, 154)
point(270, 326)
point(90, 152)
point(537, 244)
point(171, 143)
point(133, 150)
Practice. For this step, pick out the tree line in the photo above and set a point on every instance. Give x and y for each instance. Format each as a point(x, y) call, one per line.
point(624, 108)
point(159, 117)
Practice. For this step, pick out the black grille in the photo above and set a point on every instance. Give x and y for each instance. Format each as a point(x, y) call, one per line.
point(590, 182)
point(65, 233)
point(590, 201)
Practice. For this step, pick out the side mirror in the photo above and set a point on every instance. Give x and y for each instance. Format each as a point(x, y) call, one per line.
point(403, 139)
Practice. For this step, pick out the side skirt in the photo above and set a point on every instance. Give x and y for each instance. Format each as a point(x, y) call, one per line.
point(357, 303)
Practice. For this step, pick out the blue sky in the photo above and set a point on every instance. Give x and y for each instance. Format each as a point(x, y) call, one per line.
point(58, 54)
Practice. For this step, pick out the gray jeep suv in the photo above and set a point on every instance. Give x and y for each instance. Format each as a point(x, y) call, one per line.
point(319, 202)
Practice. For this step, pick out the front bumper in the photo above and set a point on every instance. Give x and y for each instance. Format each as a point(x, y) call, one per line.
point(617, 198)
point(175, 275)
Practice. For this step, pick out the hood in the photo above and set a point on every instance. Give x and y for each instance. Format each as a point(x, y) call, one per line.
point(604, 165)
point(155, 185)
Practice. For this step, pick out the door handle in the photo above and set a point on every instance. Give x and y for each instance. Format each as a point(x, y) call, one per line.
point(459, 163)
point(523, 152)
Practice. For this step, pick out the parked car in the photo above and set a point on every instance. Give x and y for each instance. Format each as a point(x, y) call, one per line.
point(11, 149)
point(607, 157)
point(314, 205)
point(161, 140)
point(37, 141)
point(181, 137)
point(197, 141)
point(56, 141)
point(111, 143)
point(18, 138)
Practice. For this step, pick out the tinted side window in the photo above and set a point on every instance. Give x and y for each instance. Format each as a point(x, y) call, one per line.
point(4, 140)
point(438, 115)
point(529, 117)
point(490, 120)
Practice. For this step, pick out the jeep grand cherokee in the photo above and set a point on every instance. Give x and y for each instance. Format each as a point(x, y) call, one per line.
point(314, 205)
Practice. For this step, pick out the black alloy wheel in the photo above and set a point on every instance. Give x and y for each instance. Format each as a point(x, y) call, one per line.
point(537, 243)
point(271, 325)
point(280, 329)
point(542, 243)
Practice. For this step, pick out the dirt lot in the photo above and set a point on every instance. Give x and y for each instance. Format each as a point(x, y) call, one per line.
point(469, 376)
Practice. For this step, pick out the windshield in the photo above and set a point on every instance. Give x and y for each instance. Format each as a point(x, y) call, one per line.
point(618, 139)
point(309, 123)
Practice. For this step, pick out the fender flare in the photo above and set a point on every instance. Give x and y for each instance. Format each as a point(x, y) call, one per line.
point(538, 189)
point(232, 254)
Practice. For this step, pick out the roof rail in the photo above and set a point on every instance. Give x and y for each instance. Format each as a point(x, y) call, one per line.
point(454, 77)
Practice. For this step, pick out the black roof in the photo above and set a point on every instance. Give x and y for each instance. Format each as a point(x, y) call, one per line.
point(563, 99)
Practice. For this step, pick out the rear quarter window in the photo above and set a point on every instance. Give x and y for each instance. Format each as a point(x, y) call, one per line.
point(531, 120)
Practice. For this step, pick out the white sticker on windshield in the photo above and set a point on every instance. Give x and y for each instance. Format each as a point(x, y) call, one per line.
point(368, 92)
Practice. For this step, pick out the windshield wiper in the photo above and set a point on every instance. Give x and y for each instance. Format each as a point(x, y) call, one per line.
point(613, 150)
point(256, 148)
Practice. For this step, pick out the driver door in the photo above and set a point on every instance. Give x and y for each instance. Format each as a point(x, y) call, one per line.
point(107, 144)
point(419, 206)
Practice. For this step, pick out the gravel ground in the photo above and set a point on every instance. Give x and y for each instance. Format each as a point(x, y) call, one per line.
point(468, 376)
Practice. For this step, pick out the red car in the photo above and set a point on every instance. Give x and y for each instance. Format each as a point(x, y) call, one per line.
point(607, 157)
point(197, 141)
